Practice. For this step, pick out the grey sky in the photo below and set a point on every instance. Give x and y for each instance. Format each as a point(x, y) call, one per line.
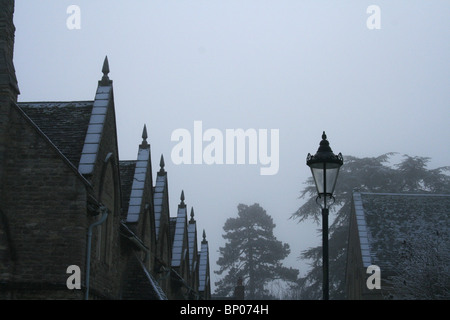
point(298, 66)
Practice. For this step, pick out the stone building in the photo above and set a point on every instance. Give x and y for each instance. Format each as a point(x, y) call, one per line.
point(406, 237)
point(67, 201)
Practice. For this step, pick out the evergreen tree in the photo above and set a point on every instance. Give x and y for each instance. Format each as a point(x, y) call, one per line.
point(252, 253)
point(366, 175)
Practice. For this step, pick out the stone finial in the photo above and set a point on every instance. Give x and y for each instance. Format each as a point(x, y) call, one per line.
point(161, 164)
point(182, 197)
point(105, 68)
point(144, 133)
point(144, 137)
point(204, 237)
point(105, 79)
point(192, 215)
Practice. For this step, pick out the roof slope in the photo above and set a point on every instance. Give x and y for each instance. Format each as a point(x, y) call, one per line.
point(64, 123)
point(386, 220)
point(126, 179)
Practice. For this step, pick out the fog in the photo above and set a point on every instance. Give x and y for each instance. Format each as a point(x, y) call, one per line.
point(375, 84)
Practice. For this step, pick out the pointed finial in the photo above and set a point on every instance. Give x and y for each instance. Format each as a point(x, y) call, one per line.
point(105, 68)
point(204, 237)
point(105, 79)
point(161, 163)
point(192, 214)
point(144, 143)
point(182, 196)
point(144, 133)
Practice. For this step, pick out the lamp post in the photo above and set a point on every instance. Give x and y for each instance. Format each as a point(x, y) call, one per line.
point(325, 167)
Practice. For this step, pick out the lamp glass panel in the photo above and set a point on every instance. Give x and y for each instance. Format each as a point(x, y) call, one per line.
point(332, 171)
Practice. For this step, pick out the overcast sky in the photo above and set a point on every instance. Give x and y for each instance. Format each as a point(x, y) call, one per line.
point(297, 66)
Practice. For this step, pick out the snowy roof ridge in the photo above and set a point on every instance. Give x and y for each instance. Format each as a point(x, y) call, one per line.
point(59, 104)
point(406, 194)
point(363, 230)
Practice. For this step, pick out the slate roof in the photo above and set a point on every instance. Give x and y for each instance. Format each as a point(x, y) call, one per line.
point(192, 241)
point(179, 234)
point(203, 269)
point(64, 123)
point(135, 198)
point(159, 195)
point(386, 220)
point(103, 99)
point(126, 169)
point(95, 129)
point(172, 225)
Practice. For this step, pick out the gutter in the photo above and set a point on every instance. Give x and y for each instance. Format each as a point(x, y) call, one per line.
point(104, 212)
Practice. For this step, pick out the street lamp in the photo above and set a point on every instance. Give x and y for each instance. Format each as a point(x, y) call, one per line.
point(325, 167)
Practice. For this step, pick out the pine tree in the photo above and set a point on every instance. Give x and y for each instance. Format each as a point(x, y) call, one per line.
point(252, 253)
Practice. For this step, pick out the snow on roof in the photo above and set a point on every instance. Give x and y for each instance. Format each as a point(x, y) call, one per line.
point(386, 220)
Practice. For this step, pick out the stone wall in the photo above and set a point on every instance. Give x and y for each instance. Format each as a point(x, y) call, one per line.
point(44, 206)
